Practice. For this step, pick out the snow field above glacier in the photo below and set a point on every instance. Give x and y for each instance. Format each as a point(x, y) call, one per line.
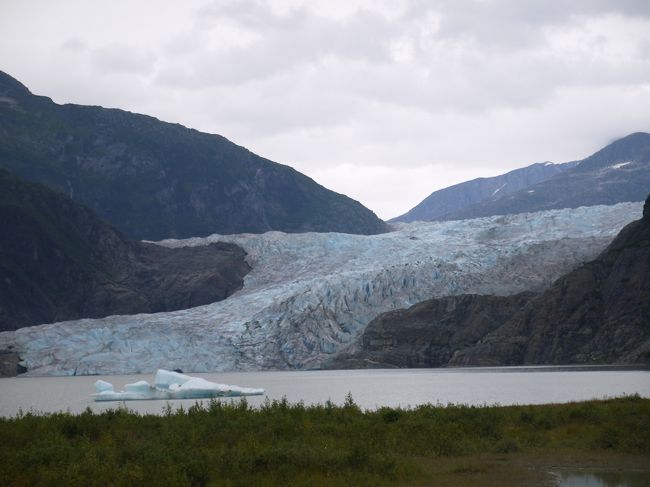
point(308, 295)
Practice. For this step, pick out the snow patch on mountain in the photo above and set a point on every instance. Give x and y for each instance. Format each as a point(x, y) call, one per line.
point(310, 294)
point(499, 188)
point(619, 165)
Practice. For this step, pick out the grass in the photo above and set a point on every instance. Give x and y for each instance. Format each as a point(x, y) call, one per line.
point(230, 443)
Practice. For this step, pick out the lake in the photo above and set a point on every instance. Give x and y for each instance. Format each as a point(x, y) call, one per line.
point(369, 388)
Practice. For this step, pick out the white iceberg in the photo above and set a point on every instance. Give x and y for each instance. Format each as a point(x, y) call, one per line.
point(170, 385)
point(103, 386)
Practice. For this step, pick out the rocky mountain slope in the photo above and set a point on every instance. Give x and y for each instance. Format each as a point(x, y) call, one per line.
point(442, 203)
point(155, 180)
point(310, 295)
point(616, 173)
point(599, 313)
point(428, 333)
point(59, 261)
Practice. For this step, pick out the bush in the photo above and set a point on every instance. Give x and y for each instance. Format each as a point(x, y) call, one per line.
point(232, 443)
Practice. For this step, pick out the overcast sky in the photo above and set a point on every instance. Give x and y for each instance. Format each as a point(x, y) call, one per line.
point(384, 101)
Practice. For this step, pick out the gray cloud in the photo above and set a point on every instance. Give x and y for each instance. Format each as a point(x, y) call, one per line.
point(298, 39)
point(122, 59)
point(383, 100)
point(74, 44)
point(448, 60)
point(516, 24)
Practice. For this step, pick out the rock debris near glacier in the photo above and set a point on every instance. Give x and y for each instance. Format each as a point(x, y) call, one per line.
point(308, 295)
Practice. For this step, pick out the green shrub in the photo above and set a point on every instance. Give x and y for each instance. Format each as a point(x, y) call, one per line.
point(279, 443)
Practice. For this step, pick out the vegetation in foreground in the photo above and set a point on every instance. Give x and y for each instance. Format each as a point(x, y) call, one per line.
point(231, 443)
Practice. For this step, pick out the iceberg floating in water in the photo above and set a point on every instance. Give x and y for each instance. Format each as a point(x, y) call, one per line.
point(170, 385)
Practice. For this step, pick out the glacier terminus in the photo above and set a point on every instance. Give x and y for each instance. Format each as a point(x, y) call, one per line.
point(308, 295)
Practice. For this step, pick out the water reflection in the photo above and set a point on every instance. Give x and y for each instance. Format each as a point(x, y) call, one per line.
point(593, 478)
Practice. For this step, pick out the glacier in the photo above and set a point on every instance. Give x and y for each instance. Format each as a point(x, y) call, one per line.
point(309, 295)
point(170, 385)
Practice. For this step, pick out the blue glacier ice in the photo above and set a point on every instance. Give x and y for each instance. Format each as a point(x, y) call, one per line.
point(309, 295)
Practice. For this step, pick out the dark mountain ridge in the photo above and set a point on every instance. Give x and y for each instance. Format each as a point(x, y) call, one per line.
point(156, 180)
point(59, 261)
point(617, 173)
point(444, 202)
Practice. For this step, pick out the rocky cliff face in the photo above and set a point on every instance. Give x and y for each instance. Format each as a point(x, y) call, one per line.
point(429, 333)
point(59, 261)
point(598, 313)
point(310, 295)
point(156, 180)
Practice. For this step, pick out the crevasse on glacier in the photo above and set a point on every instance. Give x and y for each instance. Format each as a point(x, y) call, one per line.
point(310, 294)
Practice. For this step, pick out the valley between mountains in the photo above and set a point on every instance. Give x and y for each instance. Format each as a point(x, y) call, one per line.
point(310, 295)
point(130, 244)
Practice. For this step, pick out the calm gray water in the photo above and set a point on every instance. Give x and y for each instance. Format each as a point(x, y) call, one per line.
point(580, 478)
point(369, 388)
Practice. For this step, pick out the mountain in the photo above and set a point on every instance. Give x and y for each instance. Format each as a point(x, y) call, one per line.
point(428, 333)
point(599, 313)
point(310, 295)
point(619, 172)
point(439, 204)
point(59, 261)
point(156, 180)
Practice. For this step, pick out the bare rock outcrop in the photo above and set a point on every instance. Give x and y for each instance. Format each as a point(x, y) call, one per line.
point(59, 261)
point(598, 313)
